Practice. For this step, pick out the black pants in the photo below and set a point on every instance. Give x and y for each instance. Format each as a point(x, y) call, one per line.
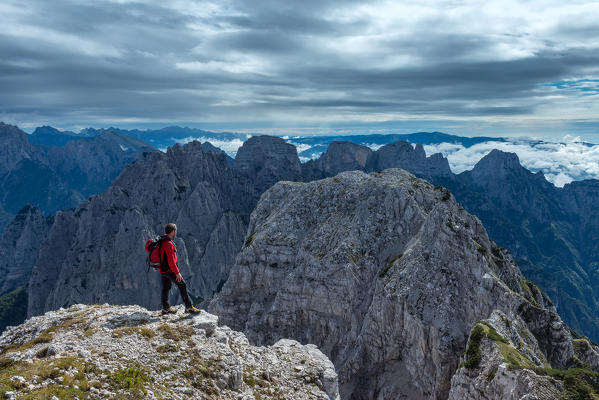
point(167, 280)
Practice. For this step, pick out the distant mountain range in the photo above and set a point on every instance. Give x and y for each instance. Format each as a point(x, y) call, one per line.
point(158, 138)
point(55, 177)
point(551, 232)
point(309, 147)
point(562, 161)
point(318, 144)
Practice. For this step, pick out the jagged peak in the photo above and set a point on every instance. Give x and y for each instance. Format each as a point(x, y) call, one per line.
point(11, 130)
point(257, 149)
point(498, 158)
point(264, 139)
point(498, 163)
point(50, 130)
point(29, 209)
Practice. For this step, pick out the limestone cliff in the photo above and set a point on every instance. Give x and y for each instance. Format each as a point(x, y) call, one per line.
point(95, 253)
point(387, 274)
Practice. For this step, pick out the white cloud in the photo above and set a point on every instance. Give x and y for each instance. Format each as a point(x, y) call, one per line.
point(560, 162)
point(228, 146)
point(235, 64)
point(300, 146)
point(373, 146)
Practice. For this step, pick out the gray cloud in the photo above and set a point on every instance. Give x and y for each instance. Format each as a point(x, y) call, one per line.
point(291, 63)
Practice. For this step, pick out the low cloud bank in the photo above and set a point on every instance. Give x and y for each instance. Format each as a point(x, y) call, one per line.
point(561, 162)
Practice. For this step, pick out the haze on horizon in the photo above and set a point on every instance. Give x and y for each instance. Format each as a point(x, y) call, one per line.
point(493, 68)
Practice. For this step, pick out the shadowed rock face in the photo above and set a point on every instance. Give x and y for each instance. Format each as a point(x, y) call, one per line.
point(14, 147)
point(59, 177)
point(385, 273)
point(348, 156)
point(95, 254)
point(339, 157)
point(265, 160)
point(19, 247)
point(19, 250)
point(403, 155)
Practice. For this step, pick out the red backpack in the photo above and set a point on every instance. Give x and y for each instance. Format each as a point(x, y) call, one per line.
point(153, 247)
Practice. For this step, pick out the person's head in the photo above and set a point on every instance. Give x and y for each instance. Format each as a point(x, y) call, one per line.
point(170, 230)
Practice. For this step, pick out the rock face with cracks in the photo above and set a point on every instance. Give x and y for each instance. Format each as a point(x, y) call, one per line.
point(93, 352)
point(387, 274)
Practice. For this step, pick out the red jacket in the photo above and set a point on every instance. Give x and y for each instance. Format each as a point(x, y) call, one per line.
point(169, 252)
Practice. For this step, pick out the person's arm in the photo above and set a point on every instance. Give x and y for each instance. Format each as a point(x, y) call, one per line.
point(171, 257)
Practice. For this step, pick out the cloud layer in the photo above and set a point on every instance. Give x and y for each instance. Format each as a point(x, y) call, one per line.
point(560, 162)
point(501, 65)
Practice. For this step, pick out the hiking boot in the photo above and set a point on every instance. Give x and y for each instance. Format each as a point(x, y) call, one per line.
point(192, 310)
point(169, 310)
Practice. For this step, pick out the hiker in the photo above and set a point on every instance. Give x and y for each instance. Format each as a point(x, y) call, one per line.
point(169, 270)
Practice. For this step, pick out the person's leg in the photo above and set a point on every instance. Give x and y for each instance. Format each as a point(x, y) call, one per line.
point(166, 287)
point(183, 290)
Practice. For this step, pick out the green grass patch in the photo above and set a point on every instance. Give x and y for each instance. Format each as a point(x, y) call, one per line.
point(473, 355)
point(510, 355)
point(513, 358)
point(48, 369)
point(580, 383)
point(89, 332)
point(168, 348)
point(179, 333)
point(131, 378)
point(581, 346)
point(132, 330)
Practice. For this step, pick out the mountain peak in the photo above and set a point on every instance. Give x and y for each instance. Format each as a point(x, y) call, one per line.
point(497, 163)
point(46, 130)
point(499, 158)
point(11, 130)
point(391, 242)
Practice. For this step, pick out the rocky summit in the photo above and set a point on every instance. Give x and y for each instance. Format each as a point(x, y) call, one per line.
point(400, 287)
point(98, 352)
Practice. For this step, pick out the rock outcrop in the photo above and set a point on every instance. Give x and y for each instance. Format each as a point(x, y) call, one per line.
point(503, 360)
point(413, 159)
point(263, 161)
point(129, 352)
point(348, 156)
point(19, 250)
point(14, 147)
point(339, 157)
point(386, 274)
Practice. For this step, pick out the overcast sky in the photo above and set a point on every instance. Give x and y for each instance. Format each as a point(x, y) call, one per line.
point(310, 66)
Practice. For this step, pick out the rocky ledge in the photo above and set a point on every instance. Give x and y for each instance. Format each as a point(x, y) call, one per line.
point(126, 352)
point(504, 360)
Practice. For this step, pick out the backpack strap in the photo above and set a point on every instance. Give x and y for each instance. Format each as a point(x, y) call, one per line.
point(160, 241)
